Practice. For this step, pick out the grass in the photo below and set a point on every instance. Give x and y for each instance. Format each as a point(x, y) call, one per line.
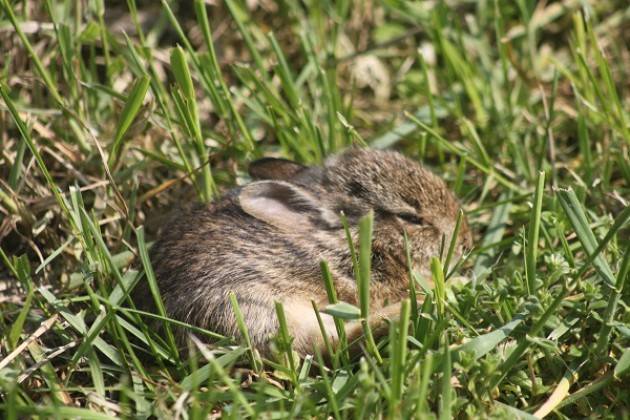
point(112, 112)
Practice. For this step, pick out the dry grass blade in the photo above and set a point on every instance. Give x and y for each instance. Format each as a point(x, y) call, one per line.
point(45, 326)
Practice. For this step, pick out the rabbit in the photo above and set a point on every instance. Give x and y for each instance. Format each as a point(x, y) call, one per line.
point(264, 241)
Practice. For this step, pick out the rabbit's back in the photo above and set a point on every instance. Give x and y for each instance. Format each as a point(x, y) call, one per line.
point(209, 251)
point(264, 242)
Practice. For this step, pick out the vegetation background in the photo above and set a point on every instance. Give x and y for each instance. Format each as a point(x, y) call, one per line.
point(114, 111)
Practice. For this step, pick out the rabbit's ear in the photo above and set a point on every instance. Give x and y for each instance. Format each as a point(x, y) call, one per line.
point(274, 168)
point(285, 206)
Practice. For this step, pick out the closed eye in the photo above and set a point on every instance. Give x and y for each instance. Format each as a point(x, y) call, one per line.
point(411, 218)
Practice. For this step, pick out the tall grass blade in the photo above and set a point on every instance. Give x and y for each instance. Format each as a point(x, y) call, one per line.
point(364, 277)
point(533, 233)
point(128, 114)
point(574, 212)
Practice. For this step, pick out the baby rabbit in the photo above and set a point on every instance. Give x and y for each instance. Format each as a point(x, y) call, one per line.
point(264, 241)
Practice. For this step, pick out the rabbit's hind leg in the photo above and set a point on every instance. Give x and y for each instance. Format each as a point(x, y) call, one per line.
point(378, 322)
point(305, 329)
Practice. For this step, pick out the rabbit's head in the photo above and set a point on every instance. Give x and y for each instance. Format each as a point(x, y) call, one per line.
point(405, 197)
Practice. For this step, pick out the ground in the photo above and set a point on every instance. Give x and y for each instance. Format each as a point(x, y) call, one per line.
point(114, 112)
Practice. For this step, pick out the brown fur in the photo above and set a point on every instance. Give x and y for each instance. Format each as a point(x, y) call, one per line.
point(264, 242)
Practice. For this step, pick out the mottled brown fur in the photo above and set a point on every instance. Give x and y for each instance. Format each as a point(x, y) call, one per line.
point(264, 241)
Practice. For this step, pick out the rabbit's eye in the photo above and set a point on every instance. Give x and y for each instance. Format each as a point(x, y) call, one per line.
point(411, 218)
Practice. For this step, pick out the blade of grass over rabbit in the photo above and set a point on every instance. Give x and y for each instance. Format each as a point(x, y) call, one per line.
point(244, 332)
point(144, 255)
point(398, 343)
point(325, 334)
point(363, 270)
point(285, 339)
point(332, 299)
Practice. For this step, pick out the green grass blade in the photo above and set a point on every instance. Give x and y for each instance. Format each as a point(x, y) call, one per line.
point(603, 341)
point(187, 106)
point(623, 364)
point(242, 327)
point(128, 114)
point(286, 340)
point(26, 137)
point(533, 233)
point(574, 212)
point(485, 343)
point(454, 239)
point(523, 345)
point(18, 325)
point(440, 287)
point(364, 274)
point(446, 388)
point(399, 356)
point(153, 286)
point(41, 69)
point(332, 299)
